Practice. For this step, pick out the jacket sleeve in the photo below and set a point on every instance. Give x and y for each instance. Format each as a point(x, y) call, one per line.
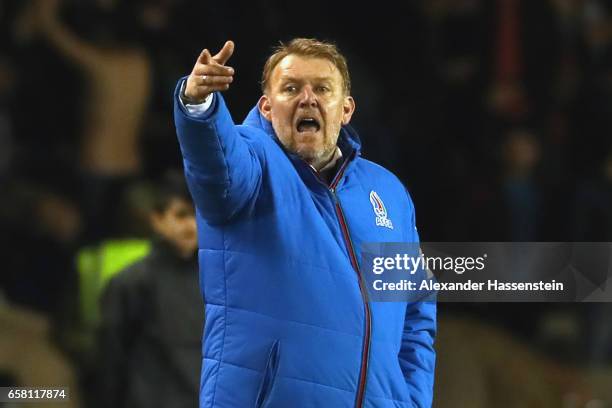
point(222, 170)
point(417, 356)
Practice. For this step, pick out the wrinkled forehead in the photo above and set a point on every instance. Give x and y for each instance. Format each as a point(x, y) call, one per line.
point(299, 67)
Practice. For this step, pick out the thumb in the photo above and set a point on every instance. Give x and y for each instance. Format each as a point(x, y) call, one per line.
point(226, 52)
point(204, 57)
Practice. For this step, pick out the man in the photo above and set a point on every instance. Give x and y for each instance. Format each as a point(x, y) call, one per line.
point(152, 314)
point(284, 202)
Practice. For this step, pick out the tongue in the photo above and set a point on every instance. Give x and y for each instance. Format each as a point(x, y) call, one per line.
point(307, 127)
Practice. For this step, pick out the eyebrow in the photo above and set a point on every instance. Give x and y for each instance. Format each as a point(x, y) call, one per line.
point(294, 79)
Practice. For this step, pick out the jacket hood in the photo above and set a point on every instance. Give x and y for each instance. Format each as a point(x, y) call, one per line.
point(348, 140)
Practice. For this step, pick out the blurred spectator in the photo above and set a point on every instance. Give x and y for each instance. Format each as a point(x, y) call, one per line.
point(521, 155)
point(91, 267)
point(117, 76)
point(512, 201)
point(593, 206)
point(524, 59)
point(152, 315)
point(450, 146)
point(593, 222)
point(41, 227)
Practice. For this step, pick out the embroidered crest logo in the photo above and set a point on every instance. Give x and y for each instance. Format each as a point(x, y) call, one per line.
point(380, 211)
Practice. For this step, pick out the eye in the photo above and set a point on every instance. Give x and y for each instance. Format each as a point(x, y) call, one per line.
point(322, 89)
point(183, 213)
point(290, 89)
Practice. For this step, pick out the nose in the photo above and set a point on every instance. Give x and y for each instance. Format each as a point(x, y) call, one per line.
point(308, 99)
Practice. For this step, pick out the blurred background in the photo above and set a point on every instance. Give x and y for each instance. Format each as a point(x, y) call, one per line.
point(496, 114)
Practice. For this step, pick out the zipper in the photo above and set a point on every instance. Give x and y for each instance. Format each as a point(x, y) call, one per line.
point(365, 353)
point(270, 373)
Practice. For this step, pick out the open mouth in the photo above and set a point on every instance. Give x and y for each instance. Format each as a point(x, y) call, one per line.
point(308, 124)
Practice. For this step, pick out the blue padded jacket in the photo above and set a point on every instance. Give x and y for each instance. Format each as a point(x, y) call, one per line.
point(288, 320)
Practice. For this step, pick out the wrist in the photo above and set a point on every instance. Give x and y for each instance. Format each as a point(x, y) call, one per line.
point(187, 100)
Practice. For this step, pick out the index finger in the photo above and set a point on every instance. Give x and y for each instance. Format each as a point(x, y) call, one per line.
point(226, 52)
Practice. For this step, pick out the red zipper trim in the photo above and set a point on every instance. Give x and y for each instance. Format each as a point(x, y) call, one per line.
point(338, 177)
point(365, 354)
point(368, 315)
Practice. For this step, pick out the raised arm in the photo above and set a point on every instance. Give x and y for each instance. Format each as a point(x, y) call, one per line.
point(222, 168)
point(61, 38)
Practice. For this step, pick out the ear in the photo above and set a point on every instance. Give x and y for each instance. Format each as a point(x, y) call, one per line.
point(264, 107)
point(348, 107)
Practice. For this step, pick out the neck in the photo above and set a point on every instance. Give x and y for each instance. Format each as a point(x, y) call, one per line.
point(323, 161)
point(176, 249)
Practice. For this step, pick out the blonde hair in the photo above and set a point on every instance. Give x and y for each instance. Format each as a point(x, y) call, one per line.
point(307, 47)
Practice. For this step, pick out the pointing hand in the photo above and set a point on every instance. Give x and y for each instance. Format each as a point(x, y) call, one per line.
point(210, 74)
